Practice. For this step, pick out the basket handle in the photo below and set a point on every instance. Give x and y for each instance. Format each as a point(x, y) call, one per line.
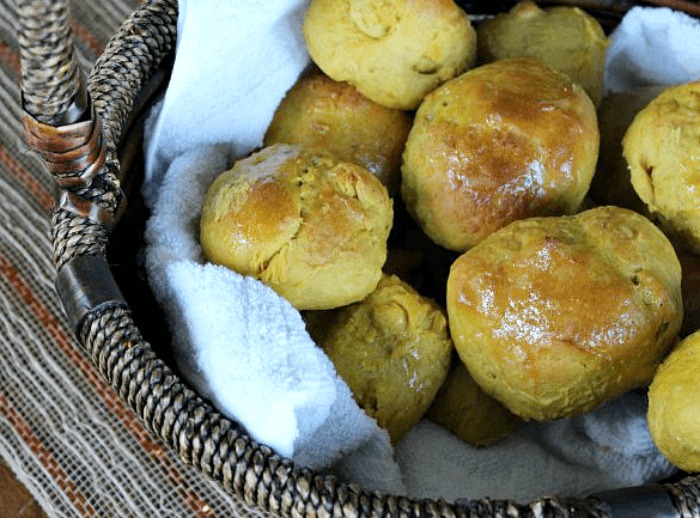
point(53, 90)
point(60, 123)
point(74, 125)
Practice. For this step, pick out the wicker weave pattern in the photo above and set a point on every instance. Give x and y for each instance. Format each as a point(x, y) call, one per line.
point(74, 235)
point(686, 496)
point(50, 78)
point(146, 38)
point(264, 483)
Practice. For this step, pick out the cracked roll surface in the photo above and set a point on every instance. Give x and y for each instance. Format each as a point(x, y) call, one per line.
point(505, 141)
point(662, 150)
point(393, 51)
point(553, 316)
point(392, 349)
point(566, 38)
point(308, 225)
point(320, 112)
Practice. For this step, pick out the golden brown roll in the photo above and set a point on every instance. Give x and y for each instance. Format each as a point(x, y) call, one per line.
point(308, 225)
point(502, 142)
point(553, 316)
point(393, 351)
point(471, 414)
point(564, 37)
point(674, 405)
point(662, 149)
point(320, 112)
point(612, 184)
point(393, 51)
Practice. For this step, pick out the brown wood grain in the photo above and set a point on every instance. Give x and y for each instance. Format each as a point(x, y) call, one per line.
point(15, 500)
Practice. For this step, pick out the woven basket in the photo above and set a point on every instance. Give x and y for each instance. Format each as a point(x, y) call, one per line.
point(87, 131)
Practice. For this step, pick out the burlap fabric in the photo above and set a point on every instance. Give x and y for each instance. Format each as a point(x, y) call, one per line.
point(63, 431)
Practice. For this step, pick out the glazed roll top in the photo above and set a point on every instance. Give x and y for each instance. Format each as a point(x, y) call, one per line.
point(553, 316)
point(505, 141)
point(312, 227)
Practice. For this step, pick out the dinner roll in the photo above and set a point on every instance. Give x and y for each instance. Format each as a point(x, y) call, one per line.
point(564, 37)
point(553, 316)
point(471, 414)
point(320, 112)
point(392, 349)
point(674, 405)
point(662, 149)
point(308, 225)
point(393, 51)
point(502, 142)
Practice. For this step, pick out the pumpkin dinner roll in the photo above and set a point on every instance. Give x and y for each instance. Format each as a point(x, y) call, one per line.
point(393, 51)
point(505, 141)
point(463, 407)
point(308, 225)
point(320, 112)
point(662, 150)
point(553, 316)
point(392, 349)
point(674, 405)
point(566, 38)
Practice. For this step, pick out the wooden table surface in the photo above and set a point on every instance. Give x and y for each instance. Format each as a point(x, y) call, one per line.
point(15, 500)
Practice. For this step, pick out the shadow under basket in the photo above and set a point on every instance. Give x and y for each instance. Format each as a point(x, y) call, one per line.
point(98, 238)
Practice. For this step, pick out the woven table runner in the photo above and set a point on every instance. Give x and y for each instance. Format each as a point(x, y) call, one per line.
point(65, 434)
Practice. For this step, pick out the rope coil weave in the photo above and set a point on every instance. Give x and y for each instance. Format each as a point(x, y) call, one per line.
point(46, 45)
point(262, 482)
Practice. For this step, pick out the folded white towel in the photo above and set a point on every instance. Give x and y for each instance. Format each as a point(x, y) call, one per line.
point(652, 46)
point(246, 349)
point(608, 448)
point(242, 346)
point(234, 62)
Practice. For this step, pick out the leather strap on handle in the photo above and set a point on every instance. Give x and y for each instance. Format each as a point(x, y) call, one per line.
point(73, 153)
point(61, 125)
point(60, 122)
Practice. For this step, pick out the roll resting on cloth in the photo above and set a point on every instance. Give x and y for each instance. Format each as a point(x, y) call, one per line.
point(246, 349)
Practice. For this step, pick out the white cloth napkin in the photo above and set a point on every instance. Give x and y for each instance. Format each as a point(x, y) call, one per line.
point(246, 349)
point(234, 62)
point(608, 448)
point(236, 341)
point(652, 46)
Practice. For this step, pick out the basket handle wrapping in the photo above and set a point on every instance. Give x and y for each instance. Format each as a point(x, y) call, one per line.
point(60, 124)
point(52, 86)
point(77, 127)
point(63, 123)
point(58, 120)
